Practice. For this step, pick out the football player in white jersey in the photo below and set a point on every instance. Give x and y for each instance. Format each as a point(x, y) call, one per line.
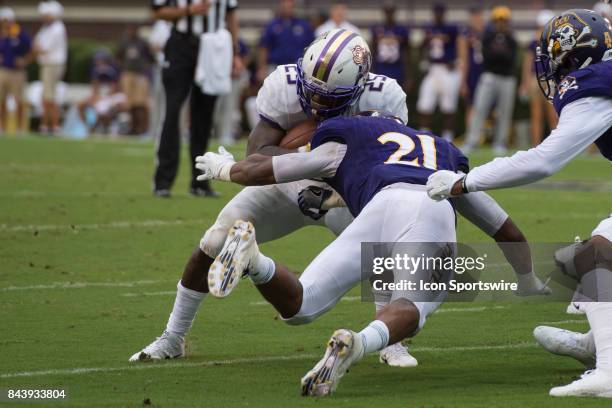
point(331, 79)
point(574, 68)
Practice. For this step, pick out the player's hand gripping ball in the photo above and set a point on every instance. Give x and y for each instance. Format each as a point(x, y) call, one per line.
point(300, 135)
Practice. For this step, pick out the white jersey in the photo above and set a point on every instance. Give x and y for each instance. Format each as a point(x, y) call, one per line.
point(278, 102)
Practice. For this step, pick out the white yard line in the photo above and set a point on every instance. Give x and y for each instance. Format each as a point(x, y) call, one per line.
point(80, 285)
point(110, 225)
point(163, 293)
point(562, 322)
point(152, 366)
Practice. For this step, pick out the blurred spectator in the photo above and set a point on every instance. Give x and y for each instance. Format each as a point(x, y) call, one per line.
point(284, 39)
point(106, 100)
point(160, 32)
point(135, 60)
point(337, 19)
point(540, 109)
point(227, 110)
point(391, 45)
point(318, 18)
point(15, 48)
point(51, 47)
point(470, 57)
point(497, 85)
point(442, 81)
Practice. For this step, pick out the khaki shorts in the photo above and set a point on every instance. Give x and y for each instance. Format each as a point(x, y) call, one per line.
point(12, 82)
point(136, 89)
point(50, 75)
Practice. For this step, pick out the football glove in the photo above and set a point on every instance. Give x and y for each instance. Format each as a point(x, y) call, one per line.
point(311, 201)
point(215, 166)
point(441, 183)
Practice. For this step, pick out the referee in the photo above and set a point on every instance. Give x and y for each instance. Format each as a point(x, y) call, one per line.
point(190, 19)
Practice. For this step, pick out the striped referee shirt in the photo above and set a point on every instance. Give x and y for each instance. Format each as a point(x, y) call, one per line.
point(196, 25)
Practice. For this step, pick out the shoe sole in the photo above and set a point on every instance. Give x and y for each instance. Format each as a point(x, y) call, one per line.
point(324, 378)
point(383, 360)
point(228, 267)
point(144, 357)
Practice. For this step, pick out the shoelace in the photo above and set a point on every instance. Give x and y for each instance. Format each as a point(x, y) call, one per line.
point(397, 350)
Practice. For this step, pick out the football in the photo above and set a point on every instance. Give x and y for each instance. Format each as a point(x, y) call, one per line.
point(299, 135)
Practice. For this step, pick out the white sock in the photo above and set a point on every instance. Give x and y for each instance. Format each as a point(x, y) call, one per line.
point(600, 319)
point(263, 271)
point(375, 337)
point(529, 281)
point(184, 311)
point(589, 341)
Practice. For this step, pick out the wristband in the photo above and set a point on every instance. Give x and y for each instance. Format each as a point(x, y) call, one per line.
point(225, 171)
point(464, 189)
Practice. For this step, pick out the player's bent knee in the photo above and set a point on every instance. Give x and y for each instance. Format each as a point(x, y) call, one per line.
point(213, 240)
point(315, 302)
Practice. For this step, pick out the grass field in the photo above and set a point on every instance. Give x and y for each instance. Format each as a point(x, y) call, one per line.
point(89, 261)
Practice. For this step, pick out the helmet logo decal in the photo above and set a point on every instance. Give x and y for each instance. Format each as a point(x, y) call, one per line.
point(359, 54)
point(568, 38)
point(567, 84)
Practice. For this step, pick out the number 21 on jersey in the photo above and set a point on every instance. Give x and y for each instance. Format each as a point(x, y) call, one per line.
point(407, 145)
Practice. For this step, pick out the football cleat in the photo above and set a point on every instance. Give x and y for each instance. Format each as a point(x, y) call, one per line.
point(593, 383)
point(566, 343)
point(166, 346)
point(396, 355)
point(343, 349)
point(240, 250)
point(575, 309)
point(539, 289)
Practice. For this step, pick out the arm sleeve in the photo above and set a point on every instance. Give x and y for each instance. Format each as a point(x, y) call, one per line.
point(581, 123)
point(321, 162)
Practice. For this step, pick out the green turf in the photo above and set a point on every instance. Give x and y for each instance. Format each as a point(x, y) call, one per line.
point(82, 213)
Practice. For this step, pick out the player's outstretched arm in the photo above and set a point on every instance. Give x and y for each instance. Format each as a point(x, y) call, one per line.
point(581, 123)
point(255, 170)
point(258, 169)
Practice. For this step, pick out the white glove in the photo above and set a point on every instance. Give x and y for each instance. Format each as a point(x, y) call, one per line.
point(215, 166)
point(440, 184)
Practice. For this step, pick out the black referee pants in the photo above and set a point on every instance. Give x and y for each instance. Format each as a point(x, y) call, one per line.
point(178, 77)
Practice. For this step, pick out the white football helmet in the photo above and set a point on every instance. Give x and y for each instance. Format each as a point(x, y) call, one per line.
point(332, 73)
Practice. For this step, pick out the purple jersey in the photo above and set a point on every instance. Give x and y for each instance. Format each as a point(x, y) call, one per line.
point(594, 80)
point(381, 152)
point(391, 44)
point(442, 43)
point(286, 39)
point(475, 67)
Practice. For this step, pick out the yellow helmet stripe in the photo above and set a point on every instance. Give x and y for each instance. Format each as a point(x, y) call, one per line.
point(331, 50)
